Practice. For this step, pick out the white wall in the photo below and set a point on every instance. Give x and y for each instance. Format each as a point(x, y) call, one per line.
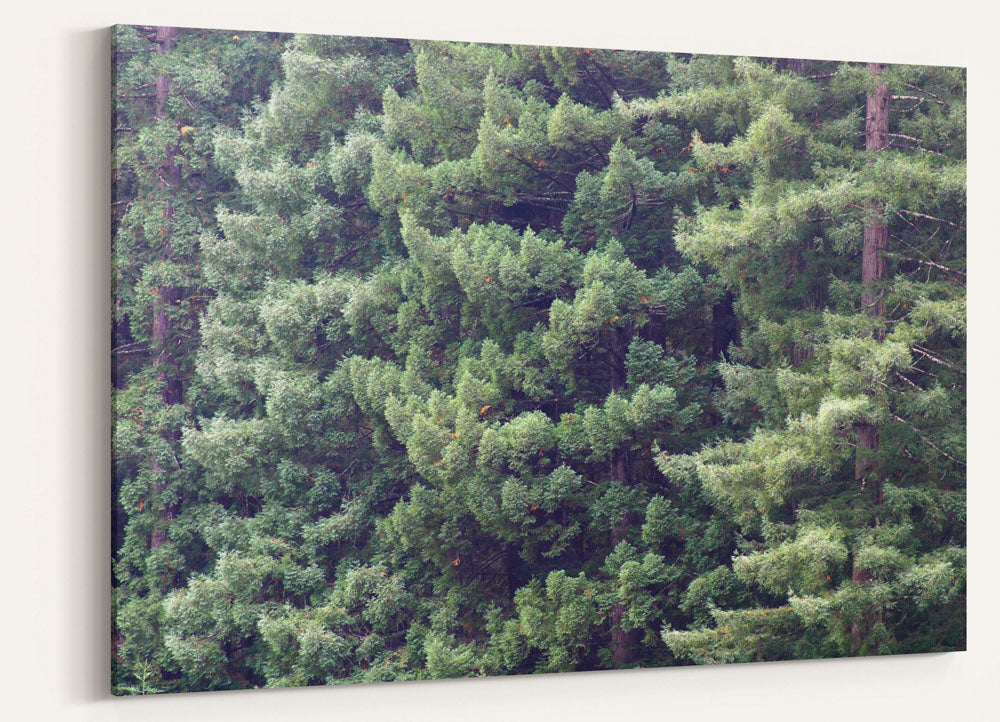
point(54, 416)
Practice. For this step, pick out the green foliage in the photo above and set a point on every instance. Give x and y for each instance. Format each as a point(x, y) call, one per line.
point(503, 359)
point(823, 515)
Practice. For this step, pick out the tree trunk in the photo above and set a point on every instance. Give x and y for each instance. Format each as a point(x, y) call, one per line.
point(725, 327)
point(876, 235)
point(165, 297)
point(797, 65)
point(622, 642)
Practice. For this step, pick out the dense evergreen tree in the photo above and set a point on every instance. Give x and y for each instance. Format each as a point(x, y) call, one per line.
point(485, 359)
point(174, 88)
point(844, 244)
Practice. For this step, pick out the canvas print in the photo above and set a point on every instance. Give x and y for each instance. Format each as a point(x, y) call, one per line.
point(447, 359)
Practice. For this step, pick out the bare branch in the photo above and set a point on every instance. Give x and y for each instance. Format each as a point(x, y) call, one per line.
point(932, 218)
point(903, 378)
point(931, 357)
point(932, 264)
point(917, 147)
point(926, 440)
point(936, 98)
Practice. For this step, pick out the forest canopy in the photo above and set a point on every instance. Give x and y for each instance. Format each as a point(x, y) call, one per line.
point(443, 359)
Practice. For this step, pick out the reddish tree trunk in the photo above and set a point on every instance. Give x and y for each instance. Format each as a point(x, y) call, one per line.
point(876, 234)
point(165, 297)
point(622, 642)
point(873, 273)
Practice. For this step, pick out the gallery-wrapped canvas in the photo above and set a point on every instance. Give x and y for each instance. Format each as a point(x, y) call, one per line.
point(447, 359)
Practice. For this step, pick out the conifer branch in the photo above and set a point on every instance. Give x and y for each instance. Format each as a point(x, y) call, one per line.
point(932, 264)
point(905, 137)
point(933, 98)
point(126, 346)
point(908, 381)
point(345, 255)
point(932, 218)
point(927, 441)
point(931, 357)
point(539, 172)
point(913, 147)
